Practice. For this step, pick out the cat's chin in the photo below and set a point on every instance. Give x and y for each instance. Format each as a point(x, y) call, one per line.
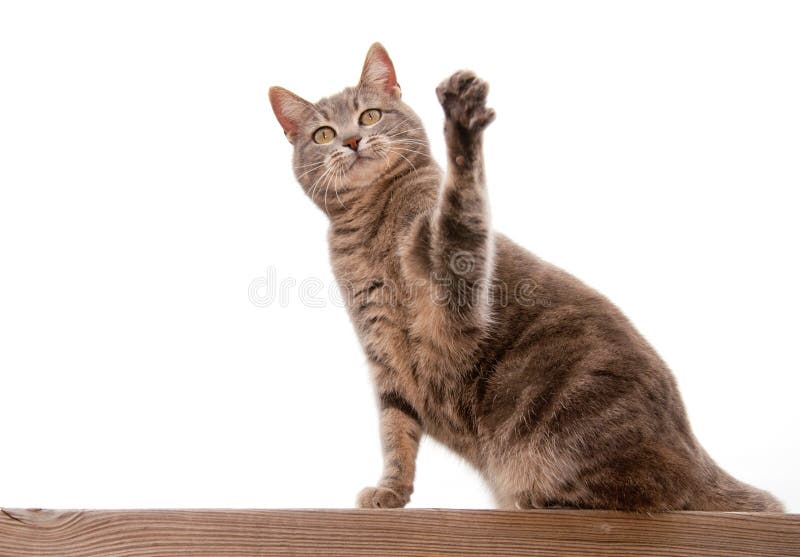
point(364, 171)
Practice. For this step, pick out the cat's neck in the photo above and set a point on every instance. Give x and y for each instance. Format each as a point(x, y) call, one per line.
point(399, 192)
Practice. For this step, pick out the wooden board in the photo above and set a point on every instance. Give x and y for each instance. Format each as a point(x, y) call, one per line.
point(410, 532)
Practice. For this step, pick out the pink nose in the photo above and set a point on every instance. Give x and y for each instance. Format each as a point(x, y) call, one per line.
point(352, 142)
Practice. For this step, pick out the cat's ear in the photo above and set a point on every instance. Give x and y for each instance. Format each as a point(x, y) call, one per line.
point(290, 110)
point(378, 72)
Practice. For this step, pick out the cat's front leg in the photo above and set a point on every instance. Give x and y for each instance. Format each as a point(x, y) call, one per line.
point(401, 428)
point(458, 243)
point(463, 99)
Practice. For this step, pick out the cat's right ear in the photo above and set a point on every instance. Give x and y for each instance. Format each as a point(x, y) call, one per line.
point(289, 109)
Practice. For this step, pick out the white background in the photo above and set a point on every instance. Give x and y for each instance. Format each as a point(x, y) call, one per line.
point(649, 148)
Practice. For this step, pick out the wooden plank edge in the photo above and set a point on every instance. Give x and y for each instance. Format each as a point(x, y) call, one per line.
point(411, 532)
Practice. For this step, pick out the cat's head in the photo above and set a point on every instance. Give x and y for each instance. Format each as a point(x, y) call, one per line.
point(351, 139)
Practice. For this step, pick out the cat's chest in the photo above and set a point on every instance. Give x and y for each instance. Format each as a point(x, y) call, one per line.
point(389, 318)
point(368, 274)
point(379, 316)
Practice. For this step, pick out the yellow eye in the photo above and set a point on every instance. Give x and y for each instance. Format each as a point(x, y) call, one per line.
point(369, 117)
point(324, 135)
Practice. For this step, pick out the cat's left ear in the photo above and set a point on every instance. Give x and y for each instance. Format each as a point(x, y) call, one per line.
point(378, 72)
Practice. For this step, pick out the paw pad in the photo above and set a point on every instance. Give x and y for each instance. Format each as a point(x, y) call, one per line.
point(463, 98)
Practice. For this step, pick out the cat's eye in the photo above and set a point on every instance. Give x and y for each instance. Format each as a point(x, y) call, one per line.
point(369, 117)
point(324, 135)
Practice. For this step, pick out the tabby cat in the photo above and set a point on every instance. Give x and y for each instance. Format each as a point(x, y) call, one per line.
point(534, 378)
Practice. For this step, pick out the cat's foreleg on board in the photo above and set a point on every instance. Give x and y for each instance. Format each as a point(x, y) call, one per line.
point(400, 429)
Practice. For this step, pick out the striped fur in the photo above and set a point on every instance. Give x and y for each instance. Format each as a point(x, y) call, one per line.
point(534, 378)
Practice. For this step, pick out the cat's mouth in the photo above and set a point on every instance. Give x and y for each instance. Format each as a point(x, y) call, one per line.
point(360, 158)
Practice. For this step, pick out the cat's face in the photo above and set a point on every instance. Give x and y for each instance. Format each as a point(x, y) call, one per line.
point(353, 138)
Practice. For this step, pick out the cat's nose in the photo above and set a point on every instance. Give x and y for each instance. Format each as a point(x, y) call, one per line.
point(353, 142)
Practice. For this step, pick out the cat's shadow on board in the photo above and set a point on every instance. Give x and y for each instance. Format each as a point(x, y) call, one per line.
point(537, 380)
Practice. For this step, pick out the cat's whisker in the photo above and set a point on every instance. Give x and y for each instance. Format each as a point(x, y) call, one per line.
point(381, 153)
point(394, 149)
point(410, 141)
point(307, 164)
point(315, 163)
point(321, 177)
point(412, 124)
point(409, 148)
point(404, 131)
point(310, 170)
point(394, 127)
point(325, 196)
point(420, 153)
point(403, 120)
point(396, 138)
point(339, 176)
point(399, 124)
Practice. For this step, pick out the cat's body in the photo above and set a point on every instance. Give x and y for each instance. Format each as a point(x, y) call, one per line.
point(534, 378)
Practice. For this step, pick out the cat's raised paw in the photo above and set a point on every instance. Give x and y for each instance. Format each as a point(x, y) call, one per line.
point(380, 498)
point(463, 98)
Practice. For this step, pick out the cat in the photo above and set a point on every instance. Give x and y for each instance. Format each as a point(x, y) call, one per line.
point(537, 380)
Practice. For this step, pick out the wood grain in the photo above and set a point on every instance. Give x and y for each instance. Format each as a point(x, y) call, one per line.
point(409, 532)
